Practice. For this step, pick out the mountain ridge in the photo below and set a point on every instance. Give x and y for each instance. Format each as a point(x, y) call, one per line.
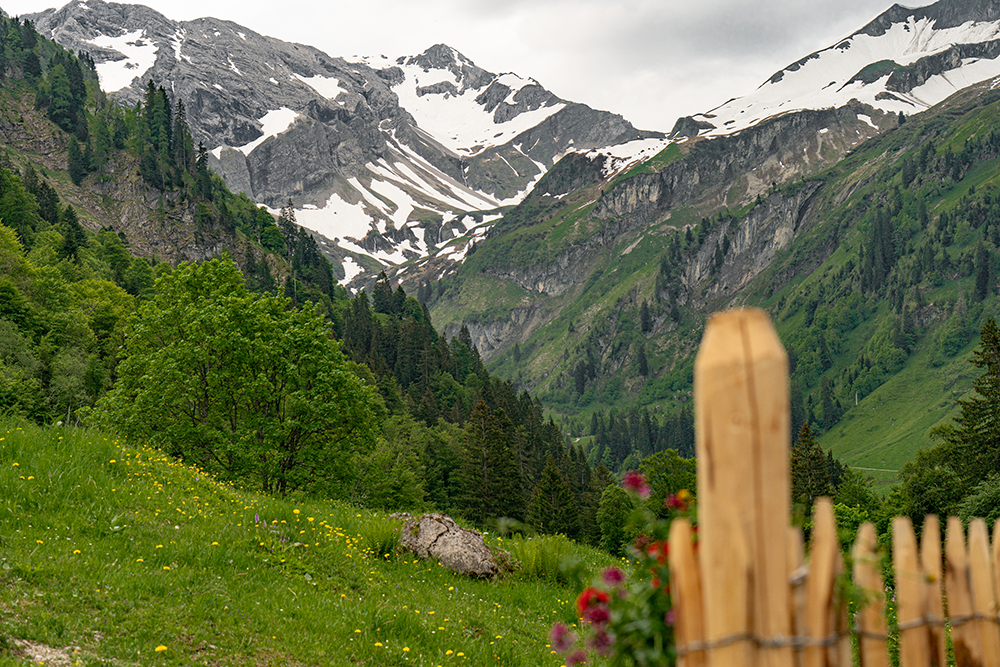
point(377, 155)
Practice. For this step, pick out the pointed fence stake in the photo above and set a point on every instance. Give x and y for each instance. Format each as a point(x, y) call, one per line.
point(984, 604)
point(685, 584)
point(911, 596)
point(824, 566)
point(742, 432)
point(930, 561)
point(870, 619)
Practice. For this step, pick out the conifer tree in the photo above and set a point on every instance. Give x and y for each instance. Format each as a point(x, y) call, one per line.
point(645, 321)
point(73, 234)
point(553, 508)
point(983, 272)
point(489, 480)
point(810, 470)
point(975, 437)
point(77, 163)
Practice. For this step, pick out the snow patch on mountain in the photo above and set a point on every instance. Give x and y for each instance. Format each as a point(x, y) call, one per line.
point(328, 87)
point(619, 159)
point(138, 55)
point(903, 43)
point(940, 86)
point(351, 270)
point(272, 124)
point(177, 41)
point(455, 118)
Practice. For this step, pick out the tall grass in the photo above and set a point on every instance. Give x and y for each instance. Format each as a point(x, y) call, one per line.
point(546, 557)
point(113, 550)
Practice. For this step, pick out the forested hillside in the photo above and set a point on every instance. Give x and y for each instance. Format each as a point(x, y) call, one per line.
point(102, 204)
point(878, 272)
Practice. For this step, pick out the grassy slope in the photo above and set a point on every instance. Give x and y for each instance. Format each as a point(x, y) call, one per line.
point(108, 552)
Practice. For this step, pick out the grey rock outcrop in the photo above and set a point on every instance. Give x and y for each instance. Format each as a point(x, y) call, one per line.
point(351, 138)
point(438, 536)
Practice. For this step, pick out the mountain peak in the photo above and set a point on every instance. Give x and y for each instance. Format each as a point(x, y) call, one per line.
point(444, 58)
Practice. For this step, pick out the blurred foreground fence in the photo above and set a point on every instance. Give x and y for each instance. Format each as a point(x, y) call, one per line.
point(747, 594)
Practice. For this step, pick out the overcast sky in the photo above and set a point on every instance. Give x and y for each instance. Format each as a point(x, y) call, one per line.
point(648, 60)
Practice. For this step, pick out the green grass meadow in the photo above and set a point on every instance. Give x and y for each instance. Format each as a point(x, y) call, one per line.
point(116, 554)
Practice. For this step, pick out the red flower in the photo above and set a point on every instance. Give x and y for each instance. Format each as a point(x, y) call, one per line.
point(659, 551)
point(589, 596)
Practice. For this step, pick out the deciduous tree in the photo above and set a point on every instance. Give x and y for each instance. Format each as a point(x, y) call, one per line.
point(241, 384)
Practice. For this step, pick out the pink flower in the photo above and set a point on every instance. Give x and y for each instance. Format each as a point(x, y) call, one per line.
point(613, 576)
point(562, 639)
point(635, 482)
point(601, 642)
point(597, 615)
point(578, 657)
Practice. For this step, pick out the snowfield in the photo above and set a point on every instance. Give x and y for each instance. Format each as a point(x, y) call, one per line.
point(138, 55)
point(903, 43)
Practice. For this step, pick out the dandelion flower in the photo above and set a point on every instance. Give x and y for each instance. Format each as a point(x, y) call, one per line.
point(161, 648)
point(406, 649)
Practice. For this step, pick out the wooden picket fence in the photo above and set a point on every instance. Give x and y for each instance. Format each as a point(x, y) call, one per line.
point(744, 592)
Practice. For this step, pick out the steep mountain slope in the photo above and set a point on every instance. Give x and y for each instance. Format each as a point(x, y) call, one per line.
point(384, 158)
point(878, 272)
point(906, 60)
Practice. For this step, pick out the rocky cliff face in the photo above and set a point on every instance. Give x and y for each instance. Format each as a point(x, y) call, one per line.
point(358, 146)
point(742, 166)
point(752, 243)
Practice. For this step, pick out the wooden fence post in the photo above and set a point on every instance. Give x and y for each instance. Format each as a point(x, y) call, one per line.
point(821, 611)
point(911, 596)
point(964, 635)
point(685, 584)
point(930, 561)
point(984, 604)
point(742, 432)
point(871, 619)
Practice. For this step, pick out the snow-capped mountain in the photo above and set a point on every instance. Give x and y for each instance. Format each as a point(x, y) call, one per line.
point(388, 158)
point(906, 60)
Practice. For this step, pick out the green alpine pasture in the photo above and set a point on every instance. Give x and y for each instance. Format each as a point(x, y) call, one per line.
point(114, 553)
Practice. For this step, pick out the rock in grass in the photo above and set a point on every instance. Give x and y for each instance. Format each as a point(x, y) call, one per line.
point(438, 536)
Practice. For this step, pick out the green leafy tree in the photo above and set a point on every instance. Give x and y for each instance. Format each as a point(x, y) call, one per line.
point(613, 512)
point(241, 384)
point(390, 475)
point(667, 473)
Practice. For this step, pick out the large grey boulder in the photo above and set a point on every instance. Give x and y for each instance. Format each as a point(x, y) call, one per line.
point(438, 536)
